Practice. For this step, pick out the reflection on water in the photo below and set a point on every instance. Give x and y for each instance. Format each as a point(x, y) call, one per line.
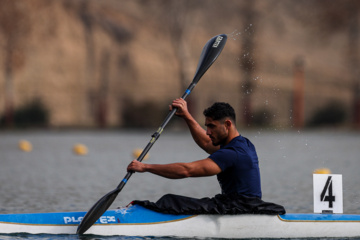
point(52, 178)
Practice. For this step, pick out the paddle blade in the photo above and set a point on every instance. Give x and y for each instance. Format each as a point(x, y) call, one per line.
point(97, 211)
point(209, 54)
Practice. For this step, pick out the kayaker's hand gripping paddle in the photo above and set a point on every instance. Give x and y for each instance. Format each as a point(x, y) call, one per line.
point(209, 54)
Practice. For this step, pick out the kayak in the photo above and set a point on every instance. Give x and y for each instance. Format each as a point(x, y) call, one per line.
point(139, 221)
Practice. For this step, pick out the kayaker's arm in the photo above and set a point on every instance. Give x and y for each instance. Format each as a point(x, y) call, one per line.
point(201, 168)
point(198, 133)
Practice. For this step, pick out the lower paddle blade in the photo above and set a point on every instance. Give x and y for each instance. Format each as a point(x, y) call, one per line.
point(97, 211)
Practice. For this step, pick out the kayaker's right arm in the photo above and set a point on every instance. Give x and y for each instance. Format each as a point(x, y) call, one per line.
point(197, 132)
point(200, 168)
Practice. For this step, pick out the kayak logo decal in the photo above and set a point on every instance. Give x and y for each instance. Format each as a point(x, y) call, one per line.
point(101, 220)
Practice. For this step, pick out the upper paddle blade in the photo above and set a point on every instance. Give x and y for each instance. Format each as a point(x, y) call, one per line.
point(97, 211)
point(209, 54)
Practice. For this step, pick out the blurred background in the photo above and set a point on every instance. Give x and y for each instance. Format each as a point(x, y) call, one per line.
point(117, 63)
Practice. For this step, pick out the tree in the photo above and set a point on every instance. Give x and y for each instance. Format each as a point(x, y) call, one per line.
point(14, 26)
point(247, 59)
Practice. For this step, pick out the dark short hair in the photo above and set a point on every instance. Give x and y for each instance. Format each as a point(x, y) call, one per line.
point(219, 111)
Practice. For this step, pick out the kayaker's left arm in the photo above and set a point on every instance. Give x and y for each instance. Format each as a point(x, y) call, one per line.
point(200, 168)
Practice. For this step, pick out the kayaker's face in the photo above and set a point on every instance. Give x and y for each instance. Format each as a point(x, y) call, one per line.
point(216, 130)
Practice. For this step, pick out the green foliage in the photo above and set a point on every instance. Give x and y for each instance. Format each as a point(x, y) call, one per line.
point(333, 113)
point(33, 114)
point(262, 118)
point(143, 115)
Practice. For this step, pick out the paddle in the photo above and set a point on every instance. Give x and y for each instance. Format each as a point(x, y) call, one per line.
point(209, 54)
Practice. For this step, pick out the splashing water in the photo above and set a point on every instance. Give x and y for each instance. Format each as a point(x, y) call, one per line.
point(236, 34)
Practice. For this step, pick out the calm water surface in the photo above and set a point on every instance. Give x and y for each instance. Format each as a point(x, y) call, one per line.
point(51, 178)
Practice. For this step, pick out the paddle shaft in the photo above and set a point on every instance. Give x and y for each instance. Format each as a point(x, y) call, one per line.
point(155, 136)
point(211, 51)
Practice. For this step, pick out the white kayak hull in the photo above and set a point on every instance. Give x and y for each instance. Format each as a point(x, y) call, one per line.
point(138, 221)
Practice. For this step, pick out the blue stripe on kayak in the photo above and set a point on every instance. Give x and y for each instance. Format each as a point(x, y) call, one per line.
point(138, 214)
point(320, 217)
point(131, 215)
point(44, 218)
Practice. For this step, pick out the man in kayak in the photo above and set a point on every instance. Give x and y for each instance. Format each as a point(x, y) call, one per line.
point(232, 158)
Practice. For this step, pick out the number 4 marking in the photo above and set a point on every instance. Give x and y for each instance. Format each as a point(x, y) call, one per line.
point(330, 197)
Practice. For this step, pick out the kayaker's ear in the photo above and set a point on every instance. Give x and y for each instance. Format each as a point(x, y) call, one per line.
point(228, 123)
